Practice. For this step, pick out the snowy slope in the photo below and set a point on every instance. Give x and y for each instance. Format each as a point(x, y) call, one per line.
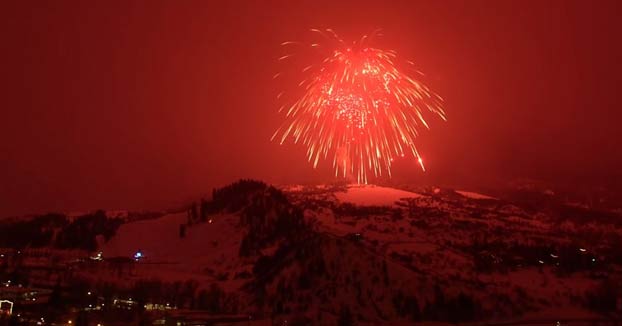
point(370, 195)
point(474, 195)
point(207, 251)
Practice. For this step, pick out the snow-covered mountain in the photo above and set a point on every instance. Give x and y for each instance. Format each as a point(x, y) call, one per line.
point(379, 255)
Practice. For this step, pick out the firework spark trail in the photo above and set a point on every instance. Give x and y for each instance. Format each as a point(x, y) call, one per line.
point(359, 108)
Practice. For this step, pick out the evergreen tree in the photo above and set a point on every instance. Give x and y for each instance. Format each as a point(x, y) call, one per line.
point(182, 231)
point(345, 317)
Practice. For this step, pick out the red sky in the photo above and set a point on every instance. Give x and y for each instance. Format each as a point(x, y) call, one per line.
point(145, 104)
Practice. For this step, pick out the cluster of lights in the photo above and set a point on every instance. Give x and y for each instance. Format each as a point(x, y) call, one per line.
point(138, 255)
point(98, 256)
point(347, 107)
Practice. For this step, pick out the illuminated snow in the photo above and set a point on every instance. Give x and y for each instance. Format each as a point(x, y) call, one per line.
point(370, 195)
point(474, 195)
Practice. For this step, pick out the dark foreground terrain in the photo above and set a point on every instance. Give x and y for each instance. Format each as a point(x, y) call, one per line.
point(322, 255)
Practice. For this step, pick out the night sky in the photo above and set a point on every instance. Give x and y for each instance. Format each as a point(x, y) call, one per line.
point(147, 104)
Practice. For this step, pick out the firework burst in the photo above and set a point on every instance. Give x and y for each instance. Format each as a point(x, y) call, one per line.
point(357, 108)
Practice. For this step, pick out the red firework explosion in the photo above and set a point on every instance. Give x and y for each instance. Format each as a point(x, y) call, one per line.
point(358, 108)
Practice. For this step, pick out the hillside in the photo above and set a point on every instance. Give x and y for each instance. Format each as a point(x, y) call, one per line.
point(378, 255)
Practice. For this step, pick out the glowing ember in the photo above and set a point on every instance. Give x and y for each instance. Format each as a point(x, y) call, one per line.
point(358, 108)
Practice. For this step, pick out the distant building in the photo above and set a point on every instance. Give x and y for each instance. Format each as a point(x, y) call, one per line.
point(25, 296)
point(124, 304)
point(6, 307)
